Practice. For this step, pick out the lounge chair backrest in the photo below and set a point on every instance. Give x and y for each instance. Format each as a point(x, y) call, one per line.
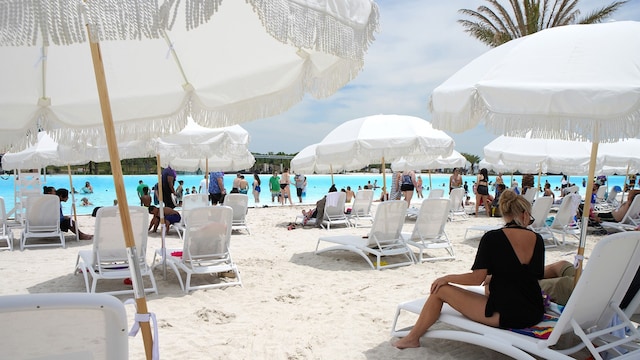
point(605, 280)
point(109, 248)
point(572, 189)
point(540, 210)
point(530, 194)
point(208, 235)
point(239, 203)
point(568, 210)
point(602, 190)
point(388, 222)
point(5, 230)
point(613, 195)
point(42, 213)
point(362, 203)
point(436, 194)
point(431, 219)
point(456, 197)
point(193, 201)
point(63, 326)
point(335, 206)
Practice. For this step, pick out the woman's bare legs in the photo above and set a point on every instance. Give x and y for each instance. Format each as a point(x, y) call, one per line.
point(408, 195)
point(478, 201)
point(468, 303)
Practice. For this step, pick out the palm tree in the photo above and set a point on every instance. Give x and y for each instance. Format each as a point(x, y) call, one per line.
point(473, 159)
point(494, 25)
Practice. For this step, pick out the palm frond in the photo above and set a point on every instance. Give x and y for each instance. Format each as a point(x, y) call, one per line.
point(598, 16)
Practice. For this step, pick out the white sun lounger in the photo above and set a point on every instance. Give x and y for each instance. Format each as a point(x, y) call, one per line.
point(588, 313)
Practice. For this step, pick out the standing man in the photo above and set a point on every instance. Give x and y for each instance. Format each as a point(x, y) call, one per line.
point(274, 185)
point(168, 186)
point(140, 190)
point(203, 185)
point(216, 187)
point(299, 179)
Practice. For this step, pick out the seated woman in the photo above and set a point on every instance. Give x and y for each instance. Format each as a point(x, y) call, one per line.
point(170, 217)
point(66, 224)
point(514, 256)
point(612, 216)
point(548, 192)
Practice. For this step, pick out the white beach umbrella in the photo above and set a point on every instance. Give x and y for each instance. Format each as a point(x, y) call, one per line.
point(455, 160)
point(576, 82)
point(45, 152)
point(154, 95)
point(305, 161)
point(241, 160)
point(375, 139)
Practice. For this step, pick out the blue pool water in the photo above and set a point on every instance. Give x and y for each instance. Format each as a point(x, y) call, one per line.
point(318, 185)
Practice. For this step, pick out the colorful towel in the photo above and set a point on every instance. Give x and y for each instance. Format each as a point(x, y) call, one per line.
point(542, 330)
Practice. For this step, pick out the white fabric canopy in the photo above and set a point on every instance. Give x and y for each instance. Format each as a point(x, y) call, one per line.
point(360, 142)
point(560, 156)
point(306, 162)
point(211, 73)
point(455, 160)
point(43, 153)
point(574, 82)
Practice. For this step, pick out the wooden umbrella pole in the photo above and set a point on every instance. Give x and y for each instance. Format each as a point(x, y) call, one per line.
point(587, 208)
point(206, 169)
point(331, 170)
point(430, 185)
point(384, 181)
point(626, 181)
point(73, 203)
point(161, 214)
point(539, 176)
point(123, 206)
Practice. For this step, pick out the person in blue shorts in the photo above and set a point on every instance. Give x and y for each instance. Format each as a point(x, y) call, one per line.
point(170, 217)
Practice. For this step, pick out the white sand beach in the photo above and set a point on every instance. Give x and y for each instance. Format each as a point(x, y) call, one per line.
point(294, 304)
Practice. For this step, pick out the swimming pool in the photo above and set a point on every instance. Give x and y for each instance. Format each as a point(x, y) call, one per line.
point(318, 185)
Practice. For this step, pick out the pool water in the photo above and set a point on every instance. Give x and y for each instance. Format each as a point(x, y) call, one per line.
point(318, 186)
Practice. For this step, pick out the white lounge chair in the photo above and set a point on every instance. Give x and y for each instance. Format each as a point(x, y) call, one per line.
point(384, 239)
point(610, 203)
point(630, 221)
point(206, 248)
point(240, 205)
point(457, 205)
point(189, 202)
point(42, 220)
point(334, 210)
point(428, 232)
point(361, 209)
point(540, 212)
point(565, 222)
point(588, 313)
point(5, 231)
point(108, 259)
point(530, 194)
point(436, 194)
point(58, 326)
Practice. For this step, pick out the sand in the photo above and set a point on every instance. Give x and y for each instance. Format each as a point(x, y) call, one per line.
point(294, 304)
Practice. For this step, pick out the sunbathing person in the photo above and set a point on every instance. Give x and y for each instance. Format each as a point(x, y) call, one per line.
point(612, 216)
point(66, 224)
point(514, 256)
point(309, 214)
point(170, 217)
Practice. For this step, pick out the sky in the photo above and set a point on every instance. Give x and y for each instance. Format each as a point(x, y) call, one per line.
point(418, 46)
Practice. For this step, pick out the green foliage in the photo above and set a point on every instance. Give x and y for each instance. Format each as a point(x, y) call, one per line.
point(495, 24)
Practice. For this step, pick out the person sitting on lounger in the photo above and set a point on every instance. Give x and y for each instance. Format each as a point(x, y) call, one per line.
point(514, 256)
point(611, 216)
point(66, 224)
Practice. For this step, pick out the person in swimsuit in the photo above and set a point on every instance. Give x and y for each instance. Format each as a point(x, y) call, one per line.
point(514, 257)
point(407, 185)
point(256, 188)
point(170, 217)
point(482, 193)
point(285, 182)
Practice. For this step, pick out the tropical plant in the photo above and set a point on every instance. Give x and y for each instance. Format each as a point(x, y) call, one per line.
point(473, 159)
point(495, 25)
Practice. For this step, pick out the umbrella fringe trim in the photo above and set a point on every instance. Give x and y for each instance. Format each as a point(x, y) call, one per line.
point(562, 127)
point(308, 28)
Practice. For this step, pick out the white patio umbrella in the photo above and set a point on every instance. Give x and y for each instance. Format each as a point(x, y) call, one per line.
point(305, 161)
point(455, 160)
point(576, 82)
point(375, 139)
point(56, 95)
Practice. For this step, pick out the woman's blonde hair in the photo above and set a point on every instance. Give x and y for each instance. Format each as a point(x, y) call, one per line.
point(513, 205)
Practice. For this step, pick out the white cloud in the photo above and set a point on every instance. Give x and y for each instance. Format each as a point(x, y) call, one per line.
point(420, 45)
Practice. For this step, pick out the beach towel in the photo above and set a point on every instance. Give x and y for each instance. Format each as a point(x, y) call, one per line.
point(332, 199)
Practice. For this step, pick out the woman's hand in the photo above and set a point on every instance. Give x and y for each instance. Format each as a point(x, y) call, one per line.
point(438, 283)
